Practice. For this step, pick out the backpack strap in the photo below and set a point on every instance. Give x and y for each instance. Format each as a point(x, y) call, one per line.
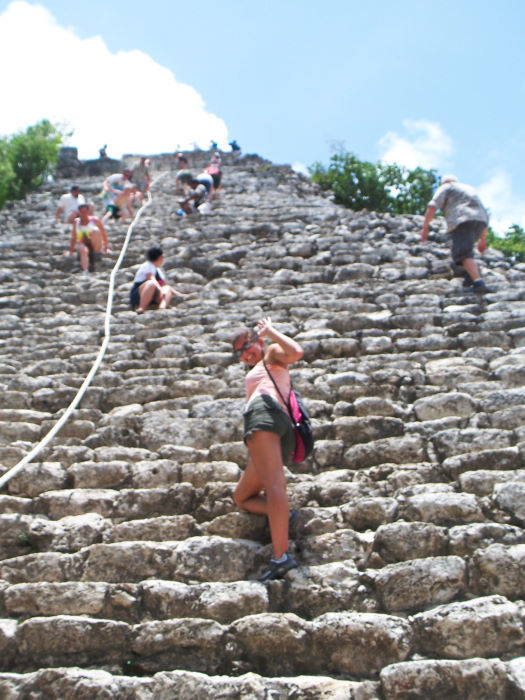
point(286, 403)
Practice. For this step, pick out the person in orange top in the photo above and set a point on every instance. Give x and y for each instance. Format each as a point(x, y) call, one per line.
point(268, 433)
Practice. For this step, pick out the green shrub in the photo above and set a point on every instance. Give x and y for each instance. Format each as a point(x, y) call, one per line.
point(6, 173)
point(512, 243)
point(26, 158)
point(359, 184)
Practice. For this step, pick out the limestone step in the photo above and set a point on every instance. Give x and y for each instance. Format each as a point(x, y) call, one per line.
point(204, 558)
point(360, 645)
point(89, 684)
point(298, 646)
point(139, 602)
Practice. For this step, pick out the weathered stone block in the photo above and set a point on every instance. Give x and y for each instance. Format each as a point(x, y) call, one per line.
point(129, 561)
point(419, 583)
point(441, 405)
point(482, 482)
point(504, 458)
point(474, 679)
point(511, 497)
point(47, 566)
point(166, 527)
point(352, 430)
point(69, 640)
point(464, 540)
point(58, 504)
point(337, 546)
point(458, 441)
point(484, 627)
point(34, 479)
point(406, 449)
point(223, 602)
point(214, 559)
point(328, 453)
point(359, 643)
point(442, 508)
point(400, 541)
point(71, 598)
point(499, 569)
point(68, 534)
point(180, 643)
point(201, 473)
point(369, 513)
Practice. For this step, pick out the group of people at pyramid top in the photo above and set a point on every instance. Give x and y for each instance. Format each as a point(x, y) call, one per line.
point(466, 217)
point(119, 192)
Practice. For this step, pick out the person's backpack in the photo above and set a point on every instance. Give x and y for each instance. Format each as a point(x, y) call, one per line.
point(304, 439)
point(302, 425)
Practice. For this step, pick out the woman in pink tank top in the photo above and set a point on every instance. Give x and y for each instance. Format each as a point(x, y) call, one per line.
point(268, 434)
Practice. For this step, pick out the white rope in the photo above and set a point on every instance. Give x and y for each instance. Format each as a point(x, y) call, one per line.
point(87, 381)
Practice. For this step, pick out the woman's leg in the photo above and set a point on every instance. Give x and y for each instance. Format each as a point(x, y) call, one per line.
point(147, 292)
point(167, 295)
point(83, 253)
point(266, 458)
point(96, 241)
point(248, 492)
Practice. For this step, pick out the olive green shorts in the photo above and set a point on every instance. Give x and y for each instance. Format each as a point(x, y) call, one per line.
point(264, 413)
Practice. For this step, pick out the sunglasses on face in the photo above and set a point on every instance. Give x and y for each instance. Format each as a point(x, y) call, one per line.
point(247, 344)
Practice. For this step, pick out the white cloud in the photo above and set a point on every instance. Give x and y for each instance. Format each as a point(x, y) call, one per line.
point(123, 99)
point(425, 145)
point(505, 206)
point(301, 168)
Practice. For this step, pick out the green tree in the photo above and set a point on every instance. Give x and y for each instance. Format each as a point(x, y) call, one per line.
point(355, 183)
point(32, 156)
point(410, 190)
point(380, 187)
point(512, 243)
point(6, 173)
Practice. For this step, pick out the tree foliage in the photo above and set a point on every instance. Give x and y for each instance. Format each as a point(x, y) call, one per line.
point(512, 244)
point(26, 158)
point(360, 184)
point(6, 173)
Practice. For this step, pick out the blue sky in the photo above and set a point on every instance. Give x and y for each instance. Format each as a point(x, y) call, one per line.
point(436, 84)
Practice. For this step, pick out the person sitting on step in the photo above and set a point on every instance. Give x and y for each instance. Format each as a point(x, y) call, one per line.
point(89, 237)
point(68, 204)
point(150, 285)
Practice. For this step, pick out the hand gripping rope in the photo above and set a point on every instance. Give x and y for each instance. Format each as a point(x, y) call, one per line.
point(87, 381)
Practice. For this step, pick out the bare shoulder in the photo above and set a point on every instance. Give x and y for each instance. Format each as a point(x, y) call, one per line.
point(276, 355)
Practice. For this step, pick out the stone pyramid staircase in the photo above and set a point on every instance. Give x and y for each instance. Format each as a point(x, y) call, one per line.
point(127, 572)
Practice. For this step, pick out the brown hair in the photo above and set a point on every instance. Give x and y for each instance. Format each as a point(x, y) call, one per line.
point(243, 333)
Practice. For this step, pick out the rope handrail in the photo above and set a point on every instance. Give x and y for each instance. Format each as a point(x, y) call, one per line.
point(10, 473)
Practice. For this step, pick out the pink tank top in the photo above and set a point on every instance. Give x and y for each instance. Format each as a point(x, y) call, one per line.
point(258, 382)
